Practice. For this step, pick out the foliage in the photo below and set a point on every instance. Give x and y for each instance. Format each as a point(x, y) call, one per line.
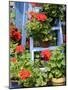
point(56, 66)
point(54, 11)
point(38, 26)
point(38, 78)
point(23, 61)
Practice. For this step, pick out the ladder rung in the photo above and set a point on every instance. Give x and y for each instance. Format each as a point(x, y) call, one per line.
point(55, 28)
point(40, 48)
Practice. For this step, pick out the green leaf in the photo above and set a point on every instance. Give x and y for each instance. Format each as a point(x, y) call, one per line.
point(50, 75)
point(63, 62)
point(44, 75)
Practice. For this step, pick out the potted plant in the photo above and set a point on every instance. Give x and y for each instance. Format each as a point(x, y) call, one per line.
point(40, 23)
point(56, 67)
point(29, 73)
point(33, 77)
point(16, 63)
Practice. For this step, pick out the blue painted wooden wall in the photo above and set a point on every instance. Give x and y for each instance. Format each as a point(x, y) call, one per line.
point(21, 17)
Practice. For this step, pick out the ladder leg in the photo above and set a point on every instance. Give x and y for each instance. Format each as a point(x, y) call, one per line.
point(60, 35)
point(32, 55)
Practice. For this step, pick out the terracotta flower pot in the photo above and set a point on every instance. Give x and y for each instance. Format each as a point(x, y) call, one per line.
point(59, 81)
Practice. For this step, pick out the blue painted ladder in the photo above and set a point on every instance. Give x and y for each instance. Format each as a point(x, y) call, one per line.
point(59, 42)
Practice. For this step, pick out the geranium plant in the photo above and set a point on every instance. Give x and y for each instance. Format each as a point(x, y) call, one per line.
point(37, 25)
point(46, 54)
point(32, 78)
point(19, 59)
point(56, 64)
point(27, 72)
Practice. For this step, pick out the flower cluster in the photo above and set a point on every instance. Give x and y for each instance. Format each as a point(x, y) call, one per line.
point(24, 74)
point(39, 16)
point(46, 54)
point(15, 35)
point(19, 49)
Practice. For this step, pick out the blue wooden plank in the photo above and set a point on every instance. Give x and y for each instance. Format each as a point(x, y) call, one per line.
point(19, 12)
point(21, 18)
point(23, 25)
point(24, 33)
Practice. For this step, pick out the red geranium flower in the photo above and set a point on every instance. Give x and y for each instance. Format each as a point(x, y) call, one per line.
point(13, 59)
point(32, 15)
point(46, 54)
point(16, 35)
point(24, 74)
point(20, 49)
point(41, 17)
